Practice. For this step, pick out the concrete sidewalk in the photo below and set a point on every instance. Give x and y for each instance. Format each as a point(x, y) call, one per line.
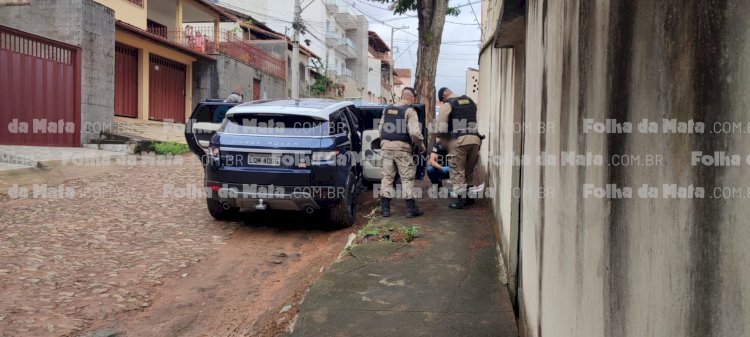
point(444, 283)
point(20, 159)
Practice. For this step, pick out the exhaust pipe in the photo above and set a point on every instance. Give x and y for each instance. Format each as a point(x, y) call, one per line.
point(309, 210)
point(226, 206)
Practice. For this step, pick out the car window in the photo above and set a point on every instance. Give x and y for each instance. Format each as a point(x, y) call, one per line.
point(208, 113)
point(370, 117)
point(274, 124)
point(339, 124)
point(219, 113)
point(353, 115)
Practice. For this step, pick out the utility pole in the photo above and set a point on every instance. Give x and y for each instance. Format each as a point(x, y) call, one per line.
point(393, 64)
point(297, 25)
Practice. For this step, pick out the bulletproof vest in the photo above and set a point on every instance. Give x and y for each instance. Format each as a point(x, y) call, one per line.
point(394, 124)
point(463, 118)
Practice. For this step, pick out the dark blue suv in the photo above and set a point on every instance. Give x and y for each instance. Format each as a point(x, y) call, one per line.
point(296, 155)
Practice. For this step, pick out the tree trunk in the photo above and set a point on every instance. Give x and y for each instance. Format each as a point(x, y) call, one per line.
point(431, 15)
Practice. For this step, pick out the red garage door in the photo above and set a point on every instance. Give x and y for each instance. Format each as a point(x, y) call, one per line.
point(126, 81)
point(40, 91)
point(166, 90)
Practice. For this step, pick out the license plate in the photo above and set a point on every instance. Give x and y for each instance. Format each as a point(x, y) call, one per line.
point(263, 160)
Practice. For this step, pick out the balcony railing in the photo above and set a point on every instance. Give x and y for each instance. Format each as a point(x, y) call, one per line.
point(343, 74)
point(203, 40)
point(348, 47)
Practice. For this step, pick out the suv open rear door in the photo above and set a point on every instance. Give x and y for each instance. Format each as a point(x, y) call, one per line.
point(203, 124)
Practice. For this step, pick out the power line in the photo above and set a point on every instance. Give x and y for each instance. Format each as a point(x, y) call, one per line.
point(460, 23)
point(475, 16)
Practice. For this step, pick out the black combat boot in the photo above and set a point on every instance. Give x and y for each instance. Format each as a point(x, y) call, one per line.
point(461, 203)
point(385, 207)
point(411, 209)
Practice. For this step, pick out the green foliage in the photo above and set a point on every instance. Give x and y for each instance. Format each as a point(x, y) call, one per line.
point(172, 148)
point(411, 232)
point(392, 231)
point(323, 83)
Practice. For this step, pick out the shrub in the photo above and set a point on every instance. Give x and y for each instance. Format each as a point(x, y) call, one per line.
point(172, 148)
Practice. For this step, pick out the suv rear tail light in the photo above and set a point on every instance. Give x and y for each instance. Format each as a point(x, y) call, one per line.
point(324, 157)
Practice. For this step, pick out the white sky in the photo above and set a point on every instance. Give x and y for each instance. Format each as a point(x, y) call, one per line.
point(460, 47)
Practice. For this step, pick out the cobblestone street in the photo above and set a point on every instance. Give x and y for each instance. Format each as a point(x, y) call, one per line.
point(92, 252)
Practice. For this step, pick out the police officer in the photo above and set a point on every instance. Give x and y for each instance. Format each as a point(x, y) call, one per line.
point(399, 132)
point(458, 122)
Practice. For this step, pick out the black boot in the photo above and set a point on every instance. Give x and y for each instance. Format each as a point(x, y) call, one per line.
point(411, 209)
point(385, 207)
point(461, 202)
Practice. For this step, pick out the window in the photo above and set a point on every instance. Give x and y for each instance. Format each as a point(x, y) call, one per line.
point(274, 124)
point(211, 113)
point(339, 124)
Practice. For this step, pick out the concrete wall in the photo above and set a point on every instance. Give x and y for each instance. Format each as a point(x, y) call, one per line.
point(590, 266)
point(373, 78)
point(500, 120)
point(128, 12)
point(218, 79)
point(89, 26)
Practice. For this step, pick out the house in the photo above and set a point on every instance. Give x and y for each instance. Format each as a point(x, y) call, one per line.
point(57, 78)
point(259, 34)
point(402, 79)
point(135, 59)
point(379, 88)
point(340, 37)
point(472, 83)
point(156, 51)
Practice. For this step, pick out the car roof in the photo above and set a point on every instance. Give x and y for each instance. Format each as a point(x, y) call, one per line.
point(314, 107)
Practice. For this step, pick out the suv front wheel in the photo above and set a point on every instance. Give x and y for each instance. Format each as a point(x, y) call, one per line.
point(343, 213)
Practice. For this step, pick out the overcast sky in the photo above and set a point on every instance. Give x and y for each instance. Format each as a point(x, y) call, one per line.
point(460, 47)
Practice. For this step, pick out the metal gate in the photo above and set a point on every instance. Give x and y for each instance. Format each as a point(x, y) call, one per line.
point(40, 91)
point(126, 81)
point(166, 90)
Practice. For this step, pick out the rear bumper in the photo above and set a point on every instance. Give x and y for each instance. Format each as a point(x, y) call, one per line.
point(288, 198)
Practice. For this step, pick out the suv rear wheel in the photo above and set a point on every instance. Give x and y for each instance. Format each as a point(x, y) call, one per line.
point(216, 209)
point(343, 213)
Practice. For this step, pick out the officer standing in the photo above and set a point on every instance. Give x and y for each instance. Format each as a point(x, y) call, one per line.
point(399, 131)
point(458, 122)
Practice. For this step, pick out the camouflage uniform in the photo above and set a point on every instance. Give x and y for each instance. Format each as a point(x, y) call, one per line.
point(404, 129)
point(463, 154)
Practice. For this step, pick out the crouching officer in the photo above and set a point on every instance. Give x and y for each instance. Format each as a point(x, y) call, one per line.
point(399, 131)
point(458, 122)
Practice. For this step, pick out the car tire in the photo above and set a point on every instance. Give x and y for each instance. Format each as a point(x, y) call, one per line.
point(342, 215)
point(217, 211)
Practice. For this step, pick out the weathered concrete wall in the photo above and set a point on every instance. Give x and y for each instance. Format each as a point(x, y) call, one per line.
point(217, 79)
point(628, 266)
point(85, 24)
point(501, 121)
